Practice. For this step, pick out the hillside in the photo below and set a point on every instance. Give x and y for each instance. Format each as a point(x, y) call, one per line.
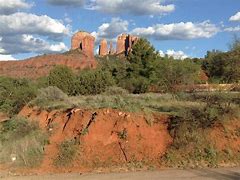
point(41, 65)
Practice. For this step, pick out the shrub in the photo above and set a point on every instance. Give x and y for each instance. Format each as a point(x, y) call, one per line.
point(15, 94)
point(63, 78)
point(67, 153)
point(49, 95)
point(22, 140)
point(93, 82)
point(136, 85)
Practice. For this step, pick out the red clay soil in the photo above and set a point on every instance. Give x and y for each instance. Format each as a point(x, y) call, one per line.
point(41, 65)
point(231, 140)
point(3, 117)
point(107, 137)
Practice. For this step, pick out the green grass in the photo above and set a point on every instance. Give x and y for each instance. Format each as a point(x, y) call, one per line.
point(23, 140)
point(125, 102)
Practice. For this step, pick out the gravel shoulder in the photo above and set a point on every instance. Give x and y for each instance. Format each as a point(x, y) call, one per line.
point(197, 174)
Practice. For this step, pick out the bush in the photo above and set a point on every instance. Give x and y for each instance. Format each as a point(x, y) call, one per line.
point(136, 85)
point(63, 78)
point(67, 153)
point(93, 82)
point(49, 95)
point(15, 94)
point(21, 142)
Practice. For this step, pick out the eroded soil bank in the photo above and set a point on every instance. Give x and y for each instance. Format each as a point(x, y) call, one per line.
point(105, 137)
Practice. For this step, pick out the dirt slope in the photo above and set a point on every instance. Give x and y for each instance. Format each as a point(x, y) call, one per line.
point(106, 137)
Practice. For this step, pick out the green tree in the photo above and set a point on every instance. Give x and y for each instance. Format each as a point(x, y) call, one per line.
point(142, 59)
point(142, 66)
point(223, 67)
point(171, 73)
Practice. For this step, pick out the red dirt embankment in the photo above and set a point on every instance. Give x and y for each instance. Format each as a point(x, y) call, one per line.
point(107, 137)
point(41, 65)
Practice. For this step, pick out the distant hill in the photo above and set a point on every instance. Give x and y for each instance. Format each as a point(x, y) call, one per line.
point(39, 66)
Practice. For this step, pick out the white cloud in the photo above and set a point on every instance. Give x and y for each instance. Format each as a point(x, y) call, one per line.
point(111, 30)
point(176, 54)
point(232, 29)
point(178, 31)
point(136, 7)
point(24, 33)
point(162, 54)
point(24, 23)
point(11, 6)
point(66, 2)
point(28, 43)
point(235, 17)
point(7, 58)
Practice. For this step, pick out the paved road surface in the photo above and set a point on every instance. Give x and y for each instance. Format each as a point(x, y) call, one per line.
point(206, 174)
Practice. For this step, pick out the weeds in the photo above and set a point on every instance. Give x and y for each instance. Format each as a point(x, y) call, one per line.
point(21, 142)
point(123, 134)
point(67, 153)
point(190, 129)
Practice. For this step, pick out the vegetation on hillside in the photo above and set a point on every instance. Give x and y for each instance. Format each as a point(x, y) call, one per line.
point(21, 142)
point(126, 84)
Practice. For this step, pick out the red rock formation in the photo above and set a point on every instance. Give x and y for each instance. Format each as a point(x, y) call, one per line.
point(85, 42)
point(121, 42)
point(111, 50)
point(103, 48)
point(125, 43)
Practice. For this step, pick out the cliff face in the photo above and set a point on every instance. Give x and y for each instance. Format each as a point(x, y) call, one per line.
point(85, 42)
point(124, 45)
point(103, 48)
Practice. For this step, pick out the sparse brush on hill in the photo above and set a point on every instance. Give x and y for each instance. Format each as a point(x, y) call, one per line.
point(50, 95)
point(21, 142)
point(190, 129)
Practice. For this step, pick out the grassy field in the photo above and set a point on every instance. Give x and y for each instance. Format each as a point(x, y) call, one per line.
point(121, 100)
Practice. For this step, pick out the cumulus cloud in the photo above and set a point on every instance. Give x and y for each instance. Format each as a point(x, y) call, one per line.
point(178, 31)
point(110, 30)
point(11, 6)
point(7, 58)
point(24, 33)
point(136, 7)
point(66, 2)
point(24, 23)
point(232, 29)
point(235, 17)
point(28, 43)
point(176, 54)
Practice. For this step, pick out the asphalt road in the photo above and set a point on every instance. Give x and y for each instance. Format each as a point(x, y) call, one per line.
point(206, 174)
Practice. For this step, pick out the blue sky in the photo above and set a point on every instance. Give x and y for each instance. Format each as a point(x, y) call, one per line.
point(179, 28)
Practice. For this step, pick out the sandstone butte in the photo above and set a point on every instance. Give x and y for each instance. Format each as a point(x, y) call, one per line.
point(125, 43)
point(81, 56)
